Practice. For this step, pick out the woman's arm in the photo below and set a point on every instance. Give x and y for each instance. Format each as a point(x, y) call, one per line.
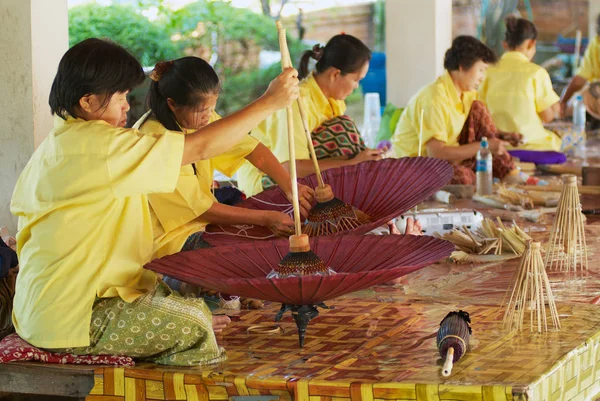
point(575, 85)
point(453, 154)
point(221, 135)
point(457, 154)
point(550, 113)
point(280, 223)
point(264, 160)
point(305, 167)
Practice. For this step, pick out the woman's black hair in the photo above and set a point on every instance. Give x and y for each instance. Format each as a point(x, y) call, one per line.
point(93, 66)
point(518, 30)
point(466, 51)
point(187, 81)
point(344, 52)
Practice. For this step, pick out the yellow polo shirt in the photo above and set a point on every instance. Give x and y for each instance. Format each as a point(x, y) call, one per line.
point(84, 224)
point(444, 116)
point(272, 132)
point(176, 215)
point(515, 91)
point(590, 65)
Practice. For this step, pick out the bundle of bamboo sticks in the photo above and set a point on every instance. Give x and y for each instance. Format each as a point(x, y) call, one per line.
point(528, 199)
point(490, 238)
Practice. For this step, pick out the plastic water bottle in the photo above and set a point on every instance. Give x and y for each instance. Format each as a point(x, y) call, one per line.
point(483, 169)
point(371, 119)
point(579, 113)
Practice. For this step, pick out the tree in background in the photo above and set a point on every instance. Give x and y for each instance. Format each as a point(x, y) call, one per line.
point(148, 41)
point(229, 38)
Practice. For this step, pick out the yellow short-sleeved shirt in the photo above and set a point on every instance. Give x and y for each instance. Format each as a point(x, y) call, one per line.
point(515, 91)
point(444, 115)
point(84, 224)
point(590, 65)
point(272, 132)
point(176, 215)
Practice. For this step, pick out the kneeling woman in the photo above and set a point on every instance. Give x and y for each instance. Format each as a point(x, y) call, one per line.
point(519, 93)
point(182, 98)
point(341, 64)
point(454, 121)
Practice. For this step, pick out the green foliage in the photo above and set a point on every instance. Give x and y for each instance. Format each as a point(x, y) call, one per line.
point(235, 24)
point(241, 89)
point(149, 42)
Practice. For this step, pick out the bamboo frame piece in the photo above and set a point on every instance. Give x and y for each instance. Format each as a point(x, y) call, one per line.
point(351, 217)
point(530, 294)
point(491, 238)
point(567, 248)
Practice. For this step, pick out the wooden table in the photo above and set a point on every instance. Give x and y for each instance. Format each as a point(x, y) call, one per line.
point(378, 344)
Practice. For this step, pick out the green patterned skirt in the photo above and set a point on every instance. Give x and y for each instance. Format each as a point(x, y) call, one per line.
point(159, 327)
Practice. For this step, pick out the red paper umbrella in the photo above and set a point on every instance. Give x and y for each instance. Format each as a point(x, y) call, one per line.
point(383, 190)
point(359, 262)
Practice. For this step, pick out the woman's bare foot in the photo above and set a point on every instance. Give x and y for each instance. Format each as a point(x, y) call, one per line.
point(220, 322)
point(393, 229)
point(413, 227)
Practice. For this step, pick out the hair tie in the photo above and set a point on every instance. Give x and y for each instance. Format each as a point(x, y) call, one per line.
point(317, 52)
point(160, 69)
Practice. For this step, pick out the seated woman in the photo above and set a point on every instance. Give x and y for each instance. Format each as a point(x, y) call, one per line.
point(182, 99)
point(85, 229)
point(518, 93)
point(340, 66)
point(453, 120)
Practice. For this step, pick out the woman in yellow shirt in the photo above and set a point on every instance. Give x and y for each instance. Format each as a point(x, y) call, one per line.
point(518, 93)
point(453, 120)
point(589, 71)
point(85, 229)
point(182, 98)
point(341, 64)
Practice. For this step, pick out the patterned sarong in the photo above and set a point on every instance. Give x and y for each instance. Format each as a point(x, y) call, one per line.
point(479, 124)
point(337, 137)
point(159, 327)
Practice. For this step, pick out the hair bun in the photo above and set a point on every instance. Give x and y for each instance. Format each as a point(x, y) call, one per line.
point(512, 22)
point(317, 52)
point(160, 69)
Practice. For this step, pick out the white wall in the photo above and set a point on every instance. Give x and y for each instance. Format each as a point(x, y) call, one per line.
point(33, 37)
point(418, 33)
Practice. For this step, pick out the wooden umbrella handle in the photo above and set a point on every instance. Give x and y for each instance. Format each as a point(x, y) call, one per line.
point(285, 63)
point(447, 369)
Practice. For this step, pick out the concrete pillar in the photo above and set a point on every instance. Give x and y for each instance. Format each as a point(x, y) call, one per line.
point(418, 33)
point(593, 11)
point(34, 35)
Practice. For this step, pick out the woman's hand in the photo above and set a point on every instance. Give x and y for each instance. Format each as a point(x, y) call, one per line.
point(283, 90)
point(367, 155)
point(306, 198)
point(413, 227)
point(497, 146)
point(279, 223)
point(219, 322)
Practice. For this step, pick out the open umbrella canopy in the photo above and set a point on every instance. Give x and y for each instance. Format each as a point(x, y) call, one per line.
point(360, 262)
point(382, 189)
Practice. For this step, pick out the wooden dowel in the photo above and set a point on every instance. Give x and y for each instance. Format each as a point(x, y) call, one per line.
point(290, 126)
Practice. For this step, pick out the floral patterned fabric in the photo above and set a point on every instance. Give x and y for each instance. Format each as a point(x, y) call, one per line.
point(14, 349)
point(160, 327)
point(479, 124)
